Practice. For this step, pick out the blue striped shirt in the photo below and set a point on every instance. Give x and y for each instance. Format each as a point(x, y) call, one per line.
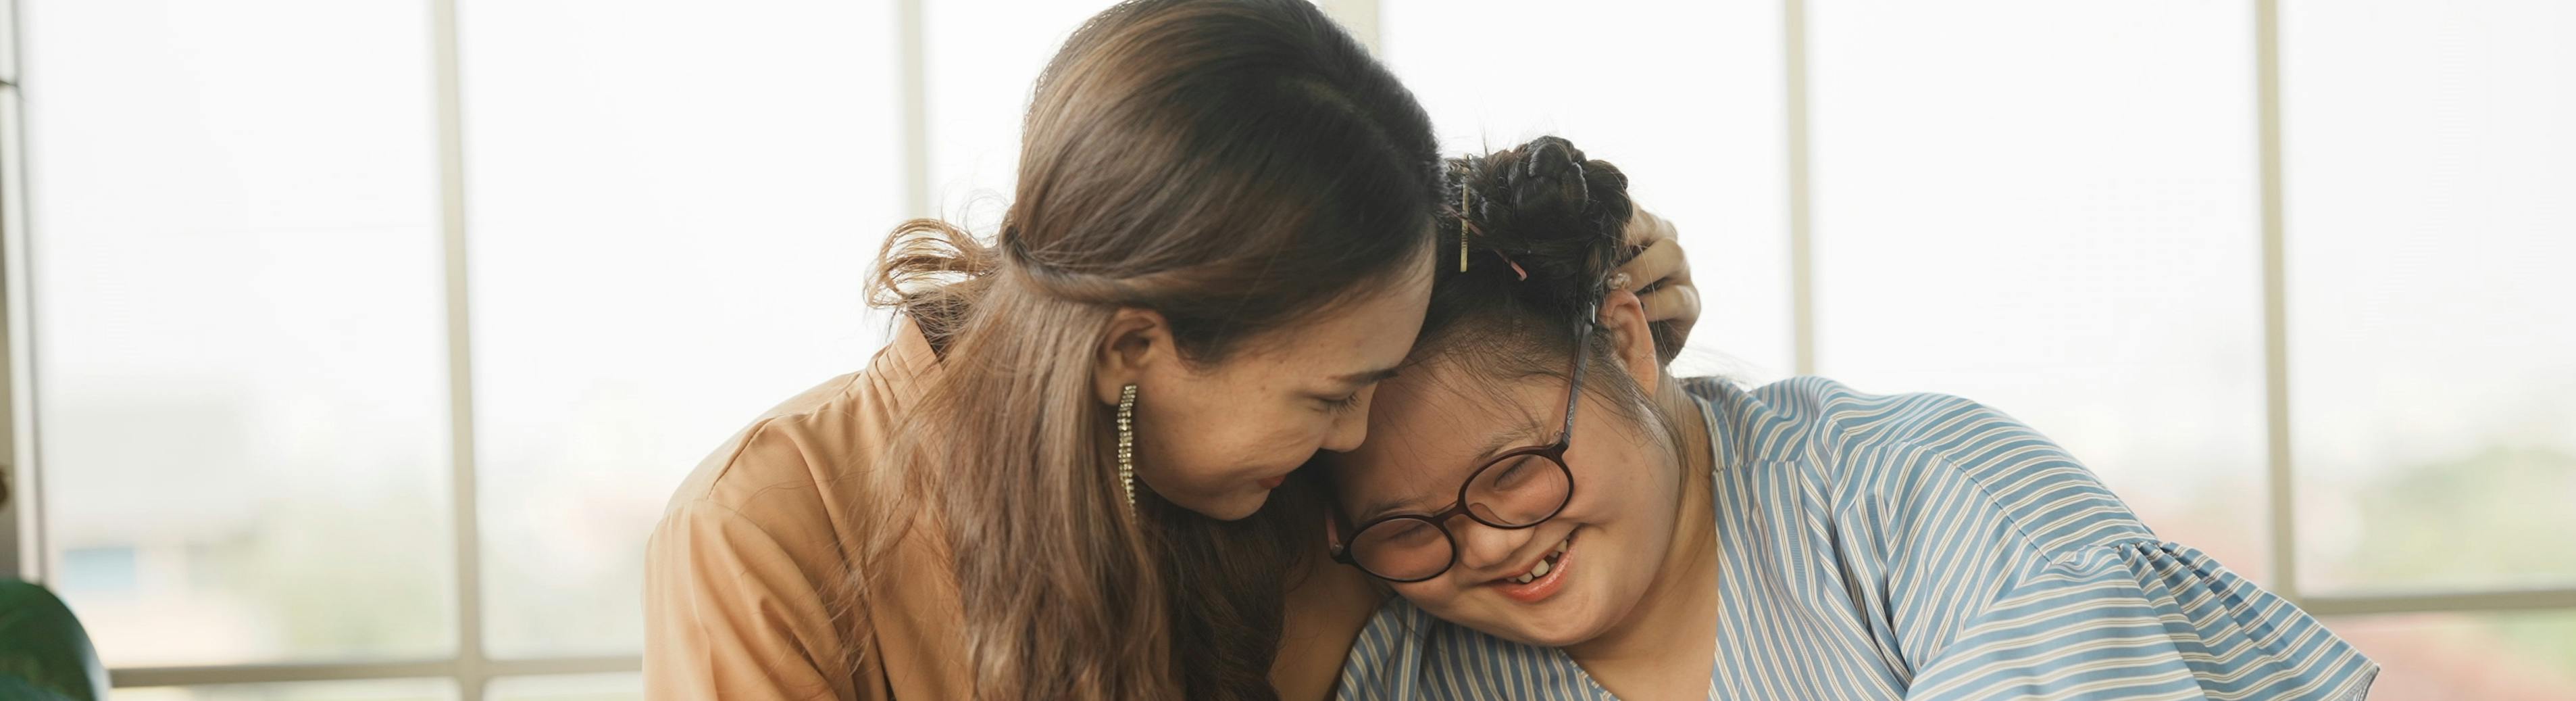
point(1915, 546)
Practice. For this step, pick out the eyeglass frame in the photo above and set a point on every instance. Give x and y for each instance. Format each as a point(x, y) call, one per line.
point(1554, 452)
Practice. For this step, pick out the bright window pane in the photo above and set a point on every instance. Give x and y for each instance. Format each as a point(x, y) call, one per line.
point(239, 328)
point(2049, 207)
point(2443, 656)
point(2428, 166)
point(1687, 100)
point(982, 58)
point(672, 213)
point(368, 690)
point(574, 687)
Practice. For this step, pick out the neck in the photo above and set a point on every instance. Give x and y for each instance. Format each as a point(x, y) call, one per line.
point(1679, 609)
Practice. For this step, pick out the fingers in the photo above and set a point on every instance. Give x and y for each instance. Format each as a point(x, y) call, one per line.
point(1670, 303)
point(1645, 229)
point(1662, 264)
point(1660, 274)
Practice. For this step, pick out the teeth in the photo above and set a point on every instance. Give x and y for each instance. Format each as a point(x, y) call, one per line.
point(1545, 563)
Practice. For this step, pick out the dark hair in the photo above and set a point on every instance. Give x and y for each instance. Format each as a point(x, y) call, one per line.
point(1235, 166)
point(1544, 227)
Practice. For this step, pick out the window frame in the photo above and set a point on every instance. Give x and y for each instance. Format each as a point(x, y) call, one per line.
point(22, 535)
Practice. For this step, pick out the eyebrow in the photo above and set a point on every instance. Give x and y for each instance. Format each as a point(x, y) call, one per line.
point(1366, 377)
point(1493, 444)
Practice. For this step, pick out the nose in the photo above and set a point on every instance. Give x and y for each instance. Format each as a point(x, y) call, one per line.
point(1349, 429)
point(1482, 548)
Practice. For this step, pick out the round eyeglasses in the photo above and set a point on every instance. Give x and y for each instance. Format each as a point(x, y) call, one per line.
point(1523, 488)
point(1518, 489)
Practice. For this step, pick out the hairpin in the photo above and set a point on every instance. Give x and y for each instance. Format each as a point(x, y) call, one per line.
point(1463, 226)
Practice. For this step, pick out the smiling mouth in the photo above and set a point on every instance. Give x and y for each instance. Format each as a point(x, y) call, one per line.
point(1544, 565)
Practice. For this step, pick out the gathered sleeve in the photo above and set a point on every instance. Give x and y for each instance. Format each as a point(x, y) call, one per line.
point(2142, 620)
point(2003, 569)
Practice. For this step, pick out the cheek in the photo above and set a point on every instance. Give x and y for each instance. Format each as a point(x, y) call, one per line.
point(1622, 472)
point(1437, 596)
point(1212, 427)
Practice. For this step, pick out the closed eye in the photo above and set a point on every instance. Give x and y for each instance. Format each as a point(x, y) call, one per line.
point(1509, 476)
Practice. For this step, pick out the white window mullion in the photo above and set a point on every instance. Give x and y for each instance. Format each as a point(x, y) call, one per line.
point(469, 668)
point(1802, 256)
point(2276, 363)
point(912, 84)
point(2533, 600)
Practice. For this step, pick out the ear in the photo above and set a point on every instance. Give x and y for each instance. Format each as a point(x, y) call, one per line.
point(1632, 341)
point(1135, 340)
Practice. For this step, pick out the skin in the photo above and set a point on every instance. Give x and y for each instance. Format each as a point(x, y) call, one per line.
point(1327, 603)
point(1211, 436)
point(1639, 600)
point(1660, 274)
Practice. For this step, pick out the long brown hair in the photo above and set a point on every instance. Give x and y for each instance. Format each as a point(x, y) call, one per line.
point(1235, 166)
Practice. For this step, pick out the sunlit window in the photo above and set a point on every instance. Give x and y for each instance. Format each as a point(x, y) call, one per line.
point(1496, 74)
point(245, 297)
point(2429, 163)
point(2071, 240)
point(663, 244)
point(239, 335)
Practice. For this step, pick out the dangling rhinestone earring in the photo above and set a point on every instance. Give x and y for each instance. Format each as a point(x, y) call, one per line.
point(1127, 444)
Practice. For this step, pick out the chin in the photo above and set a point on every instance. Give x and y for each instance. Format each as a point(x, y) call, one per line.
point(1549, 629)
point(1529, 630)
point(1225, 506)
point(1575, 615)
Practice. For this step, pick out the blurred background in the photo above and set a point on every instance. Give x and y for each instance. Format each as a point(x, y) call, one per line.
point(355, 345)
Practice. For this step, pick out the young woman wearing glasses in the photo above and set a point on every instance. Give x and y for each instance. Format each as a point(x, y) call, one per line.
point(1563, 520)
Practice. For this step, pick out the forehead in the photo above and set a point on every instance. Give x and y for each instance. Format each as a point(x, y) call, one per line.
point(1432, 424)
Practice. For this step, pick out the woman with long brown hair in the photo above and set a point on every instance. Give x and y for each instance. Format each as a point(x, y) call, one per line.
point(1219, 243)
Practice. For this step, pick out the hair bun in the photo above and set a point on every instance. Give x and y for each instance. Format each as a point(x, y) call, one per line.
point(1548, 181)
point(1553, 213)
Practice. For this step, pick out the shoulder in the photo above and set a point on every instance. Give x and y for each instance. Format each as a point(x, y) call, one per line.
point(1815, 416)
point(799, 468)
point(1887, 452)
point(1327, 607)
point(796, 445)
point(1842, 418)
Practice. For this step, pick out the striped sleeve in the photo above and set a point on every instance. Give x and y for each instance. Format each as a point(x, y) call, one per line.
point(1385, 662)
point(2143, 621)
point(2006, 570)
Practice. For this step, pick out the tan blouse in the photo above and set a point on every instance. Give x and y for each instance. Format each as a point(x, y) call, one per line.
point(745, 574)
